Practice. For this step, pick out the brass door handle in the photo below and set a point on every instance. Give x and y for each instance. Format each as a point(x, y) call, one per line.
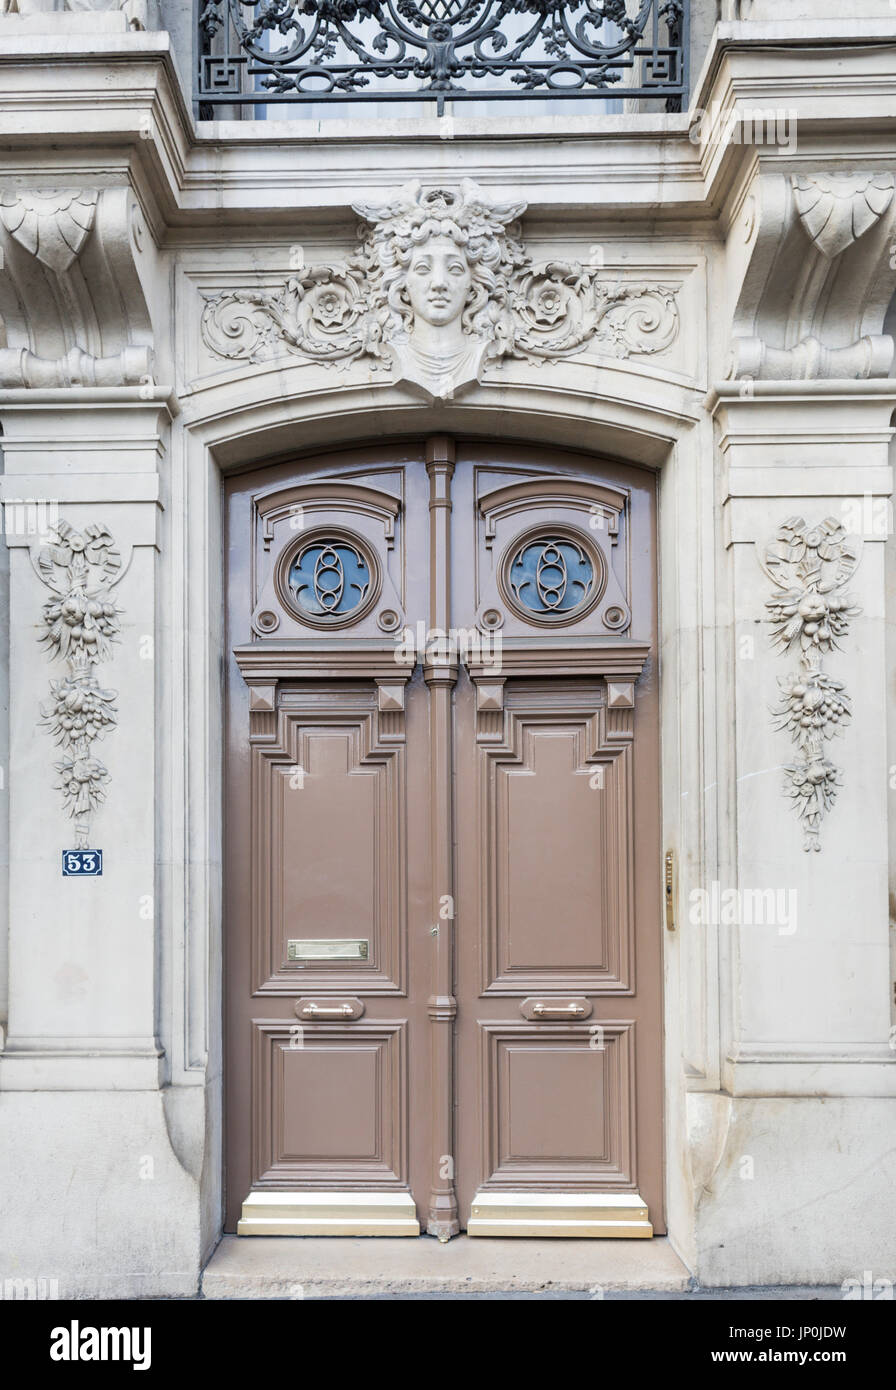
point(578, 1007)
point(342, 1008)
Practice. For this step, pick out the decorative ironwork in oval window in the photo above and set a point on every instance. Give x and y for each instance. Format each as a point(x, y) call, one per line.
point(329, 578)
point(552, 577)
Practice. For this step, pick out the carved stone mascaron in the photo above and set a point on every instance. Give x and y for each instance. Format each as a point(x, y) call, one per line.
point(441, 286)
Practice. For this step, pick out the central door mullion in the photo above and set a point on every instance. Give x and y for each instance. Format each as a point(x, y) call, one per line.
point(440, 665)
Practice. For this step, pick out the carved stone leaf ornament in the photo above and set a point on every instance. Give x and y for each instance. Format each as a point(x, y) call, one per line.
point(51, 224)
point(440, 286)
point(81, 622)
point(810, 614)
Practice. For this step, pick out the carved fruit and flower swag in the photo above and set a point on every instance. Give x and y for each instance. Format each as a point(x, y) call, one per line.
point(360, 308)
point(810, 614)
point(81, 622)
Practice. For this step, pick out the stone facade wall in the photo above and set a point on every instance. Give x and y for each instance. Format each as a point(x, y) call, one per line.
point(766, 412)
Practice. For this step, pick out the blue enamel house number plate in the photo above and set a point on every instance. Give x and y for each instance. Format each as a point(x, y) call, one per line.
point(82, 863)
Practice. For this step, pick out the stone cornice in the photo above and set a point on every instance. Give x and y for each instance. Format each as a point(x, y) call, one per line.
point(118, 96)
point(724, 394)
point(92, 397)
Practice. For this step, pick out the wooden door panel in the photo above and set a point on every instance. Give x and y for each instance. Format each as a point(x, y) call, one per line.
point(329, 1104)
point(557, 1105)
point(559, 1121)
point(556, 824)
point(329, 852)
point(324, 863)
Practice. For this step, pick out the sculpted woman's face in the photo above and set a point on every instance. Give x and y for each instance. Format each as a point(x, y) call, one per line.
point(438, 281)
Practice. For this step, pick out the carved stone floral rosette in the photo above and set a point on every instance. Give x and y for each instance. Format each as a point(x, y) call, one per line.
point(81, 622)
point(810, 614)
point(440, 286)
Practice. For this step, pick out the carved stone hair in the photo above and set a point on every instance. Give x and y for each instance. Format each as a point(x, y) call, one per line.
point(478, 228)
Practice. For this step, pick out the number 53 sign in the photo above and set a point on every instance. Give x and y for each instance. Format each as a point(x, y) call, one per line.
point(82, 863)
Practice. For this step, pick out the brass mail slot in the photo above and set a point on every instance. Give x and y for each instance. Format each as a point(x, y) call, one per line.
point(330, 949)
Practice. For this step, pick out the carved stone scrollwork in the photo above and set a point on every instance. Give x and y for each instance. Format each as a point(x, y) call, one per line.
point(441, 286)
point(811, 613)
point(81, 622)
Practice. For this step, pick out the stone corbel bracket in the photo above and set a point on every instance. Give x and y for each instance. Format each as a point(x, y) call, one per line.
point(815, 277)
point(810, 613)
point(73, 307)
point(81, 621)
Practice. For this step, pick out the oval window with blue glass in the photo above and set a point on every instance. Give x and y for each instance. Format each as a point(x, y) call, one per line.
point(553, 577)
point(330, 580)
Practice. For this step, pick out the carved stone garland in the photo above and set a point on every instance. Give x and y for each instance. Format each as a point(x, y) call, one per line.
point(81, 622)
point(366, 308)
point(810, 566)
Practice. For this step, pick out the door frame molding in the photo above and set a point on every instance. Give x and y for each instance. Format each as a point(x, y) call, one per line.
point(650, 419)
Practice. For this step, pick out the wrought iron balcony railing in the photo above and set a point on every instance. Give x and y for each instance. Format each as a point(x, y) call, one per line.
point(259, 54)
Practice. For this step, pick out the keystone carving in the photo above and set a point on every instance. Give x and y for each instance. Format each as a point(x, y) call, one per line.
point(440, 287)
point(810, 615)
point(81, 621)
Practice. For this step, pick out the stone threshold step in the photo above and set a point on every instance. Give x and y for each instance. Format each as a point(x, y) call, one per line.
point(355, 1267)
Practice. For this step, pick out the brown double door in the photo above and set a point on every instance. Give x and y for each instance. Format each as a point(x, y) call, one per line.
point(443, 939)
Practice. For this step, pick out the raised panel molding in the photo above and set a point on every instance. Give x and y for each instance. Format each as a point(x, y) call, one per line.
point(607, 1130)
point(284, 764)
point(599, 744)
point(542, 494)
point(368, 1141)
point(327, 496)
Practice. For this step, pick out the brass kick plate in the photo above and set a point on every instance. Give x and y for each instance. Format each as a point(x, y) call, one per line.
point(329, 949)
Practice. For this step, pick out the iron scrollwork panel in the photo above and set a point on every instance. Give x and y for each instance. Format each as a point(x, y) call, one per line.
point(310, 50)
